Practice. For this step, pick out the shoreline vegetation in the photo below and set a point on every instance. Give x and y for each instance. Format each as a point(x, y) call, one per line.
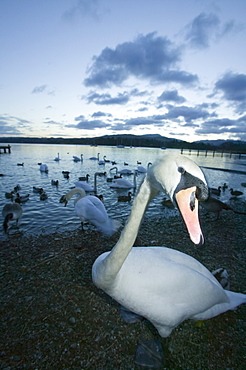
point(53, 317)
point(153, 141)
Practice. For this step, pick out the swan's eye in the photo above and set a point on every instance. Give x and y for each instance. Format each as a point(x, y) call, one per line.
point(181, 170)
point(192, 200)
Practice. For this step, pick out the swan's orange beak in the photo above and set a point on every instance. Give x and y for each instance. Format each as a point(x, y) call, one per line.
point(188, 207)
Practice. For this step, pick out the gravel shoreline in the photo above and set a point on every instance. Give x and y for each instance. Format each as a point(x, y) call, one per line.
point(53, 317)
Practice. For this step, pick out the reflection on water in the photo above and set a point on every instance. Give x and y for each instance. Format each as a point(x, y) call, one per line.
point(46, 216)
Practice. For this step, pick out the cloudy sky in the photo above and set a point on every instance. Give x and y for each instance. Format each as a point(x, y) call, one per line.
point(84, 68)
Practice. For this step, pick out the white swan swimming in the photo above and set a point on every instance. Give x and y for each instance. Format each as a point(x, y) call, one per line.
point(123, 183)
point(11, 212)
point(43, 168)
point(83, 185)
point(90, 208)
point(95, 158)
point(164, 285)
point(57, 159)
point(78, 159)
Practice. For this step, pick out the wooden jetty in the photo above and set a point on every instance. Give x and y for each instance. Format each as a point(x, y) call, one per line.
point(5, 148)
point(214, 153)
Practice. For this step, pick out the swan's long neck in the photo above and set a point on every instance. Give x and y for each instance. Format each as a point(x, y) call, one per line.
point(111, 265)
point(74, 191)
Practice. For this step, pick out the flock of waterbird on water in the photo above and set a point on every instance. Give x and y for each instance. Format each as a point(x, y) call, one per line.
point(159, 284)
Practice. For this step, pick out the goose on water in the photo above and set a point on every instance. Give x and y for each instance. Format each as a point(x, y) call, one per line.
point(164, 285)
point(90, 208)
point(236, 192)
point(11, 212)
point(125, 198)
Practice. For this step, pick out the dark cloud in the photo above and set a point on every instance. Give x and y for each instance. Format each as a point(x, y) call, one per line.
point(39, 89)
point(107, 99)
point(101, 114)
point(201, 28)
point(171, 96)
point(87, 124)
point(9, 125)
point(85, 8)
point(206, 27)
point(150, 57)
point(233, 87)
point(189, 114)
point(237, 127)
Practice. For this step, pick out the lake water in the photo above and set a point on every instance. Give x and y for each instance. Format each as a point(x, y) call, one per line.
point(48, 216)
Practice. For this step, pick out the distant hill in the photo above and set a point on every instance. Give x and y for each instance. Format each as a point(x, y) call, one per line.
point(149, 140)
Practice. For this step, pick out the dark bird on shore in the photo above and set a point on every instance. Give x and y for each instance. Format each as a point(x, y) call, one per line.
point(236, 192)
point(11, 212)
point(125, 198)
point(216, 206)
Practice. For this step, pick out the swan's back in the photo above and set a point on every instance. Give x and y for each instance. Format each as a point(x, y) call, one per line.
point(92, 209)
point(166, 287)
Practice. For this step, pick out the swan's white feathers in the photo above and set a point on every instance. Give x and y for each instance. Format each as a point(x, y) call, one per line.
point(91, 208)
point(163, 285)
point(166, 287)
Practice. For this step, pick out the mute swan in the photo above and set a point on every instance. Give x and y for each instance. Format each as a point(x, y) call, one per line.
point(43, 168)
point(95, 158)
point(164, 285)
point(125, 171)
point(87, 187)
point(77, 159)
point(141, 169)
point(11, 211)
point(57, 159)
point(91, 208)
point(124, 184)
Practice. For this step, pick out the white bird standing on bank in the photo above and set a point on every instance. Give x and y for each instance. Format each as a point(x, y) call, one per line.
point(11, 212)
point(164, 285)
point(90, 208)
